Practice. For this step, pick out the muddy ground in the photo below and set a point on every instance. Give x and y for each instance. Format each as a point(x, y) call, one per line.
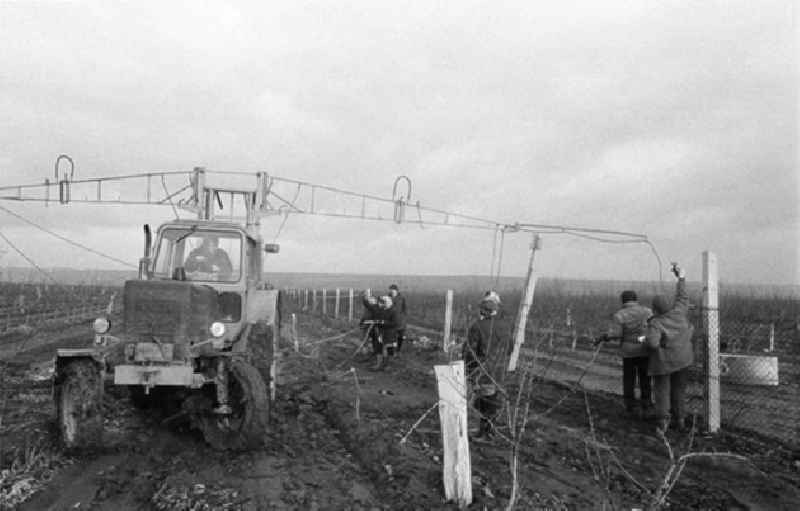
point(337, 444)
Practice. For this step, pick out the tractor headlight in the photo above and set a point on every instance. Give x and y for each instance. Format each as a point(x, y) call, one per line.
point(101, 325)
point(217, 329)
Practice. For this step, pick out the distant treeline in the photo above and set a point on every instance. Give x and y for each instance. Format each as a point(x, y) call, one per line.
point(421, 283)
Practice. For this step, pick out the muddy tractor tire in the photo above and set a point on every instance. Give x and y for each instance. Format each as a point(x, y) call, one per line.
point(246, 427)
point(79, 395)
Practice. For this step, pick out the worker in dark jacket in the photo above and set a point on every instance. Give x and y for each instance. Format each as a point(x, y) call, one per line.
point(486, 353)
point(370, 314)
point(209, 258)
point(631, 323)
point(399, 303)
point(669, 340)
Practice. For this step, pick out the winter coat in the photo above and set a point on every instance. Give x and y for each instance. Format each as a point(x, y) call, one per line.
point(201, 259)
point(486, 353)
point(399, 303)
point(391, 321)
point(632, 318)
point(669, 337)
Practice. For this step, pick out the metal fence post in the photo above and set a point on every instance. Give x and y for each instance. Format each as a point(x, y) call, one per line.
point(711, 331)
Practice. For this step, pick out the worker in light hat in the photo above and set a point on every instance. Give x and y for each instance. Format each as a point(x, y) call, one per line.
point(486, 352)
point(387, 314)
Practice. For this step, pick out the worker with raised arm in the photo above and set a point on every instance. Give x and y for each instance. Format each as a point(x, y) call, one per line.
point(368, 326)
point(669, 341)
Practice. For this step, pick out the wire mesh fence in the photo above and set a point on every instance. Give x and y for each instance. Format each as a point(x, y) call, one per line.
point(760, 378)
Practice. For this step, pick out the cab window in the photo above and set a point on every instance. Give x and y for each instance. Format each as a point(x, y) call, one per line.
point(204, 256)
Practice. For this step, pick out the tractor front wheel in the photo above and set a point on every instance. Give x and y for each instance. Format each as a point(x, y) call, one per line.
point(246, 427)
point(79, 394)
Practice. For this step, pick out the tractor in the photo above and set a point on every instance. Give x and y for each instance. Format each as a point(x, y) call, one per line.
point(197, 335)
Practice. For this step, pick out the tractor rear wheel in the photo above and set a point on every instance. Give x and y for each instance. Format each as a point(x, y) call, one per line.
point(79, 395)
point(247, 426)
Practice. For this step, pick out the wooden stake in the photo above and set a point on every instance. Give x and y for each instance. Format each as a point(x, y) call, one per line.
point(324, 301)
point(448, 319)
point(336, 304)
point(457, 471)
point(711, 328)
point(294, 333)
point(273, 368)
point(771, 337)
point(313, 300)
point(524, 306)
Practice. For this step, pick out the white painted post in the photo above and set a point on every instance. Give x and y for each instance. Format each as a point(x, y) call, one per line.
point(711, 328)
point(351, 301)
point(324, 301)
point(457, 470)
point(294, 333)
point(336, 305)
point(448, 320)
point(524, 306)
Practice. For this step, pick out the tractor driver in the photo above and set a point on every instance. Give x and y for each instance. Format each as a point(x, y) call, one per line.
point(209, 258)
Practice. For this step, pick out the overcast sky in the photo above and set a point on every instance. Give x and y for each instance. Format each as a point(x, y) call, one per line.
point(674, 119)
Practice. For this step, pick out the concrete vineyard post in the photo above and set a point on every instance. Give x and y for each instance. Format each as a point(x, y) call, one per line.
point(711, 331)
point(457, 470)
point(524, 306)
point(324, 301)
point(350, 301)
point(336, 304)
point(448, 320)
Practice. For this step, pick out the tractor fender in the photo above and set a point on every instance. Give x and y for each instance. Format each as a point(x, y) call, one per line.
point(67, 355)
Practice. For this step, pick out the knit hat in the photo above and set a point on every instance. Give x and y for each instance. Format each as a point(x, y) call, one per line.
point(394, 286)
point(628, 296)
point(492, 296)
point(660, 305)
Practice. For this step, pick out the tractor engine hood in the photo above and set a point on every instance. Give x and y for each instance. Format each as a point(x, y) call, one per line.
point(169, 310)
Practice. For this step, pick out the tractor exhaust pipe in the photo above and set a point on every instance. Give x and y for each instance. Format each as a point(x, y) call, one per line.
point(144, 262)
